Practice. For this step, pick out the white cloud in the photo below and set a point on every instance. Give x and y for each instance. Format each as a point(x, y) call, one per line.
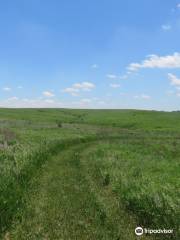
point(70, 90)
point(142, 96)
point(155, 61)
point(166, 27)
point(114, 76)
point(15, 102)
point(12, 99)
point(77, 87)
point(48, 94)
point(174, 80)
point(115, 85)
point(111, 76)
point(85, 86)
point(7, 89)
point(178, 5)
point(95, 66)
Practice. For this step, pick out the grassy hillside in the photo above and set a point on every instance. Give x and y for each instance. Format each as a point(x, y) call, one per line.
point(132, 119)
point(88, 174)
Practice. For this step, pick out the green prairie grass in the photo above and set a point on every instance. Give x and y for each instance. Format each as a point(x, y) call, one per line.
point(133, 164)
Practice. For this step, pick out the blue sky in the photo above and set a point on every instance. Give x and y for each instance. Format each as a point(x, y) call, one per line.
point(90, 54)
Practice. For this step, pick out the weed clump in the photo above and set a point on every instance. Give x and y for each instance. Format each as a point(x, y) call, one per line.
point(59, 124)
point(106, 179)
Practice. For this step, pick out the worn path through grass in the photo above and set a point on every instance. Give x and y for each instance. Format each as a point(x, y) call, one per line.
point(65, 204)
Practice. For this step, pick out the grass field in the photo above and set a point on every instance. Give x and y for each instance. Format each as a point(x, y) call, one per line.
point(88, 174)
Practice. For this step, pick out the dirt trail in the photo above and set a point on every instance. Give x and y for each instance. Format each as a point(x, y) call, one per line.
point(64, 203)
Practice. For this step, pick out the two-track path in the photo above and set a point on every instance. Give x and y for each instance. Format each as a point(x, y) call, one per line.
point(65, 203)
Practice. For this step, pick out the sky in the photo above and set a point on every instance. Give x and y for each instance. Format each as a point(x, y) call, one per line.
point(115, 54)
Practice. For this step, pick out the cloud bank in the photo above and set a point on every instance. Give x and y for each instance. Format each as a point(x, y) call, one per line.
point(155, 61)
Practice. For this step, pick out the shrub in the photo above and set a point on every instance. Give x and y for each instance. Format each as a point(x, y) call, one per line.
point(59, 124)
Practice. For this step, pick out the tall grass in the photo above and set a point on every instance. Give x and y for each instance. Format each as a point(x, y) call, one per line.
point(18, 165)
point(143, 179)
